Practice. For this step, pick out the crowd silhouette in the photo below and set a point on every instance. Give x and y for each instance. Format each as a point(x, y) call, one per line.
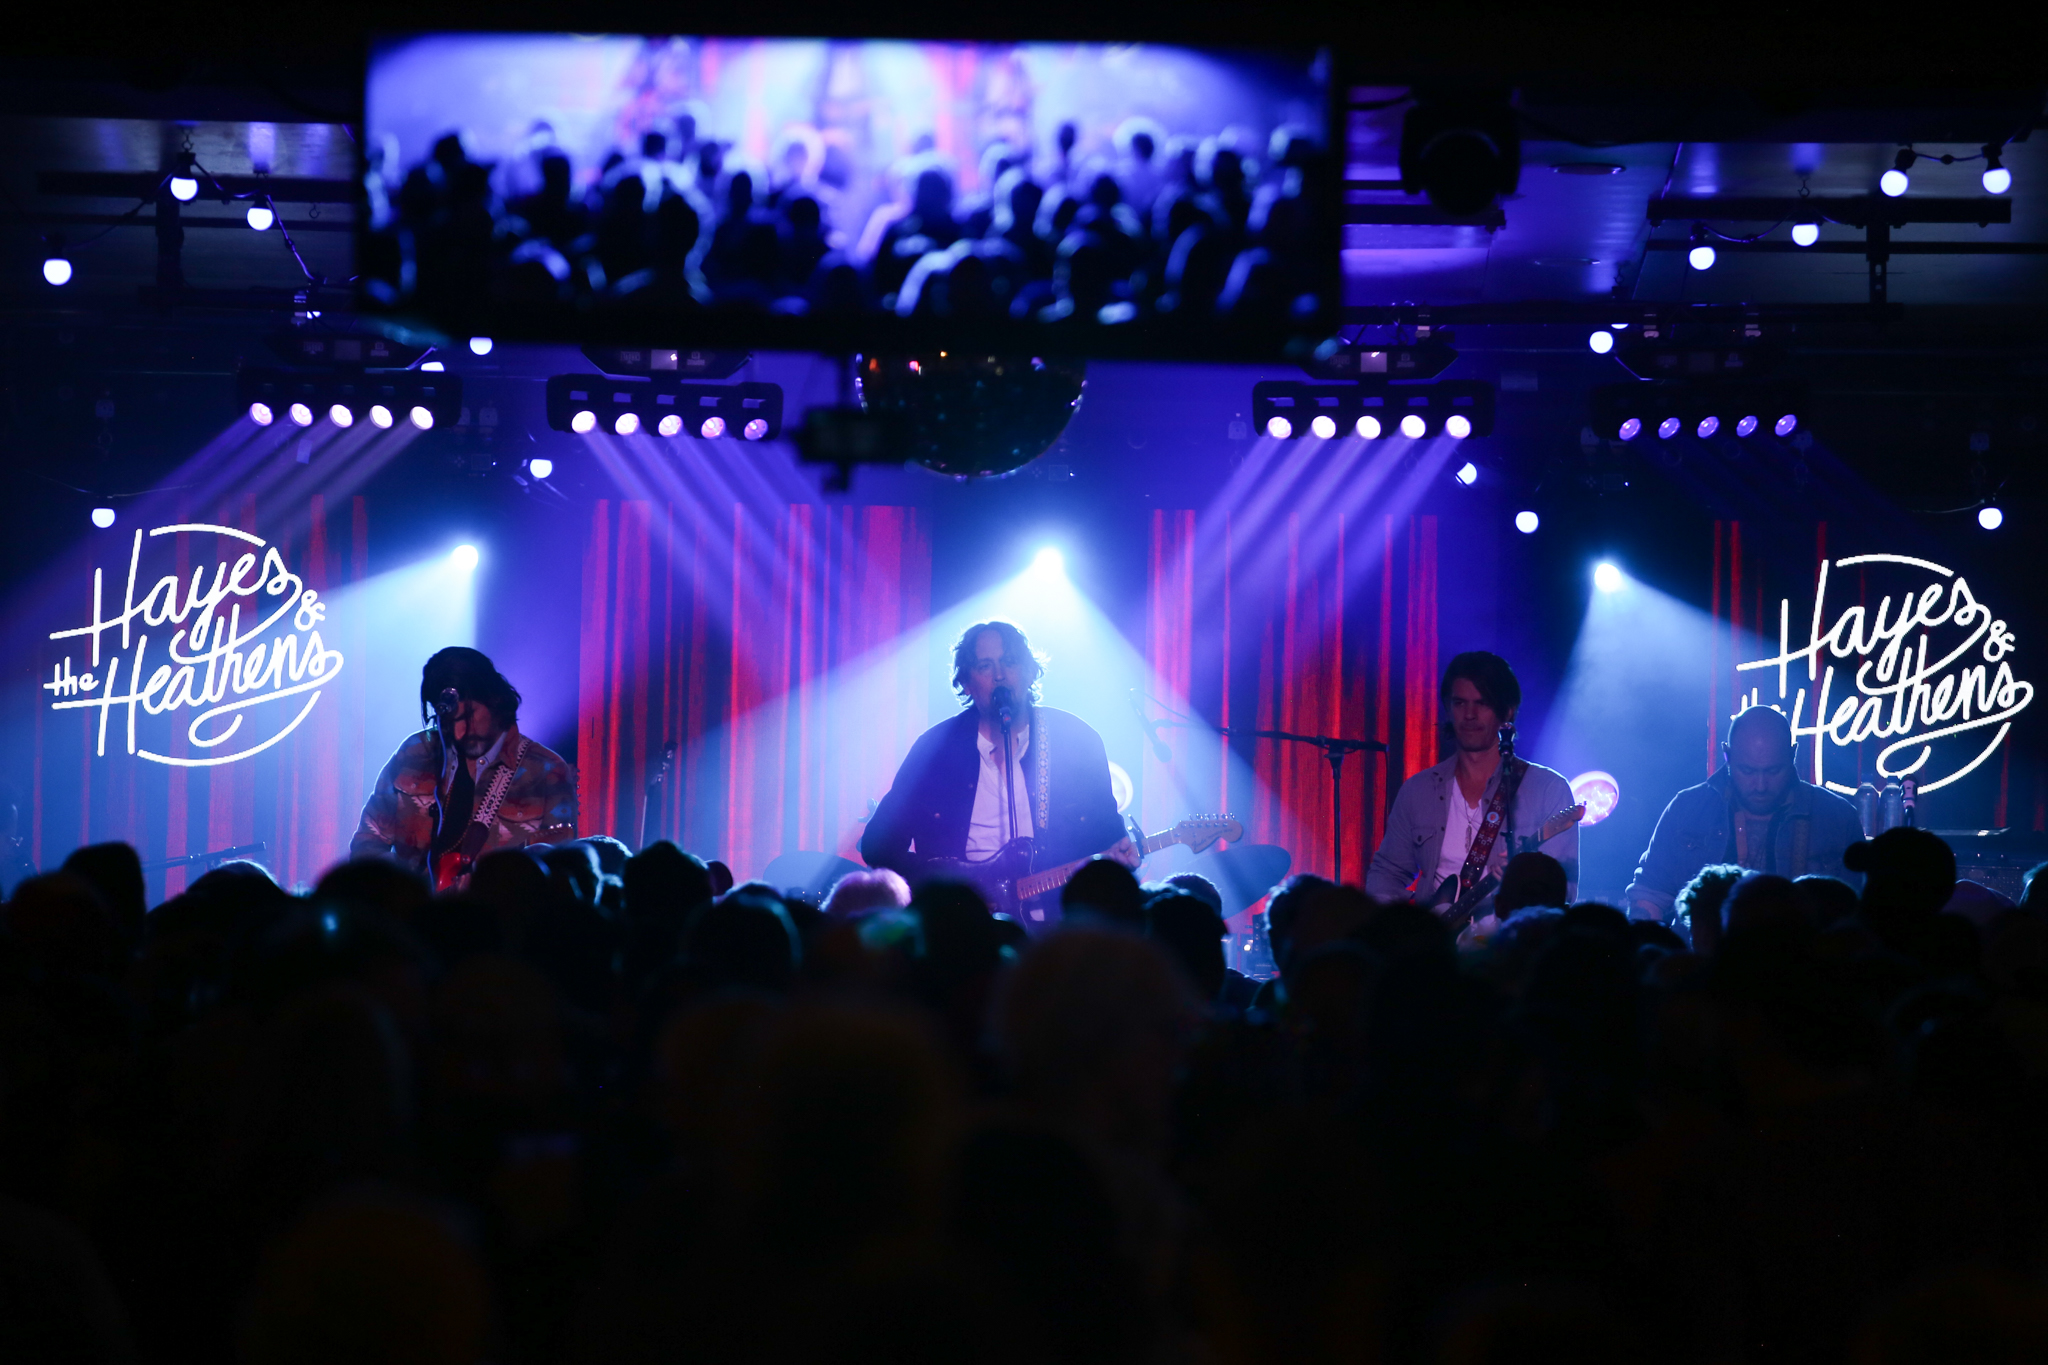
point(1176, 228)
point(606, 1106)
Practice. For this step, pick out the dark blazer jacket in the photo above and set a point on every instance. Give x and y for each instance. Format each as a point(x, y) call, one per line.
point(932, 799)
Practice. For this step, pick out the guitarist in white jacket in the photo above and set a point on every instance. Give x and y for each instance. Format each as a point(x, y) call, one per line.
point(1439, 818)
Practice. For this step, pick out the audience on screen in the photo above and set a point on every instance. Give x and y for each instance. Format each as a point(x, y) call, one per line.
point(1169, 227)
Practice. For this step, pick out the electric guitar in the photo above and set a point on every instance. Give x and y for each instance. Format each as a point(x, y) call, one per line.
point(1462, 908)
point(1012, 886)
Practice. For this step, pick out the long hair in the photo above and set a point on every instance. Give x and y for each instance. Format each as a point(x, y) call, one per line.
point(1014, 645)
point(472, 674)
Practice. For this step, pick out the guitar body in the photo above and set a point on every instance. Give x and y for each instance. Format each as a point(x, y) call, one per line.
point(1011, 883)
point(997, 876)
point(451, 867)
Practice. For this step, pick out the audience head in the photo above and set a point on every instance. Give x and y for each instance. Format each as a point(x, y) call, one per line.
point(115, 872)
point(1530, 880)
point(1908, 872)
point(744, 939)
point(663, 882)
point(1200, 887)
point(1107, 888)
point(859, 892)
point(1192, 933)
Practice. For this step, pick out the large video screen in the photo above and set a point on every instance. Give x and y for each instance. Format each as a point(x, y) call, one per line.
point(1136, 200)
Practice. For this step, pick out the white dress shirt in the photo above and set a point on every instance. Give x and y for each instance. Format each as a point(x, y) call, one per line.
point(989, 827)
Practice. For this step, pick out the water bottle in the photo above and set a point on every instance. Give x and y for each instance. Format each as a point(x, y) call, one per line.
point(1866, 809)
point(1891, 808)
point(1909, 794)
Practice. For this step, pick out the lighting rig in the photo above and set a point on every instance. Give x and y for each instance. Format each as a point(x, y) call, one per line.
point(1713, 381)
point(1373, 406)
point(658, 390)
point(344, 378)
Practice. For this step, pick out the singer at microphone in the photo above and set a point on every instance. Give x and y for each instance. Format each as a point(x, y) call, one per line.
point(954, 795)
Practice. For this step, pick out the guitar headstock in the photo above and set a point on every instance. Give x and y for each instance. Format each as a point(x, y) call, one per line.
point(1562, 821)
point(1198, 832)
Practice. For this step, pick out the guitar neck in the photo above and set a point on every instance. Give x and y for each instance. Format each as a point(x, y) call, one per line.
point(1053, 878)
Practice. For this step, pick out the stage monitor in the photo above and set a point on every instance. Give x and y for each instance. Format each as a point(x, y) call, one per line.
point(839, 196)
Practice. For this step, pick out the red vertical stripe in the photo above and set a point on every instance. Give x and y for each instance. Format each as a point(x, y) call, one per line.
point(592, 754)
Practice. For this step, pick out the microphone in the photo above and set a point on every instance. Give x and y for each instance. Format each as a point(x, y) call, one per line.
point(1159, 749)
point(446, 705)
point(1005, 703)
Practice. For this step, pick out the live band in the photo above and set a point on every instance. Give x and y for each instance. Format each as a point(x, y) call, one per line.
point(1016, 796)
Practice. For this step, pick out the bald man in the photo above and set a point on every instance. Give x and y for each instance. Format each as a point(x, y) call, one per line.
point(1754, 811)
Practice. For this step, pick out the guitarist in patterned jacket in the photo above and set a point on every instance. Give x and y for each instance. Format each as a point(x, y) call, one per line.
point(1437, 847)
point(952, 798)
point(468, 784)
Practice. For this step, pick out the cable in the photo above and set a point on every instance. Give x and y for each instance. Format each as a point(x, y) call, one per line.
point(1716, 232)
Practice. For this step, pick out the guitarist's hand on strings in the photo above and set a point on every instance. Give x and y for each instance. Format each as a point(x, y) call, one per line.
point(1127, 853)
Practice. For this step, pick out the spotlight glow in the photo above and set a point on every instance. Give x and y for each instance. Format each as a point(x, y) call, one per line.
point(184, 188)
point(261, 218)
point(1279, 428)
point(1048, 564)
point(626, 423)
point(1805, 234)
point(301, 415)
point(1606, 577)
point(432, 366)
point(1527, 522)
point(1746, 427)
point(1412, 426)
point(261, 415)
point(1601, 341)
point(1468, 473)
point(1323, 426)
point(540, 466)
point(1701, 257)
point(584, 422)
point(423, 419)
point(1708, 426)
point(670, 425)
point(1893, 182)
point(1630, 428)
point(103, 517)
point(1668, 428)
point(464, 557)
point(1599, 793)
point(755, 429)
point(479, 345)
point(1997, 180)
point(712, 429)
point(1457, 426)
point(1990, 518)
point(1787, 424)
point(341, 417)
point(1368, 428)
point(380, 417)
point(57, 271)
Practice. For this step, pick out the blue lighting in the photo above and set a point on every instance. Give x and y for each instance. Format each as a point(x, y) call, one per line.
point(540, 466)
point(1997, 180)
point(479, 345)
point(1630, 429)
point(464, 557)
point(103, 517)
point(1787, 424)
point(1668, 428)
point(1990, 518)
point(1893, 182)
point(1527, 522)
point(1805, 234)
point(1708, 426)
point(1468, 473)
point(1606, 577)
point(1746, 427)
point(1700, 257)
point(57, 271)
point(1601, 341)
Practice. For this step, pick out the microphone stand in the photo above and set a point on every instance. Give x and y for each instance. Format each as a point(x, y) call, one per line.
point(1335, 749)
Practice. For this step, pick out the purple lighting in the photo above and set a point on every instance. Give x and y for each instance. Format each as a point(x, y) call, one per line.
point(1668, 428)
point(627, 423)
point(1630, 429)
point(714, 427)
point(1787, 424)
point(1323, 426)
point(1746, 427)
point(1708, 426)
point(1279, 428)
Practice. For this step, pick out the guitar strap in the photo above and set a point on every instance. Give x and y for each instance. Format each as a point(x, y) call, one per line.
point(493, 797)
point(1491, 824)
point(1041, 743)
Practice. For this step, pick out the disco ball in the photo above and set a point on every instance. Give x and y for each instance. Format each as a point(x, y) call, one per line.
point(973, 415)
